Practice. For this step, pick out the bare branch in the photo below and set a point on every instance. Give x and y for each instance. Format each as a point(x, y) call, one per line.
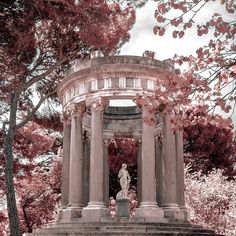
point(35, 79)
point(29, 116)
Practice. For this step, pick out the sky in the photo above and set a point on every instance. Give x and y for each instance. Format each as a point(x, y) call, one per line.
point(143, 38)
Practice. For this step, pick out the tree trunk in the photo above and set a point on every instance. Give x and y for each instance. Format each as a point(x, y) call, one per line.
point(28, 225)
point(8, 151)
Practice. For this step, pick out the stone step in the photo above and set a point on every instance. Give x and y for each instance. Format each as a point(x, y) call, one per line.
point(160, 233)
point(128, 224)
point(114, 229)
point(147, 227)
point(124, 229)
point(121, 229)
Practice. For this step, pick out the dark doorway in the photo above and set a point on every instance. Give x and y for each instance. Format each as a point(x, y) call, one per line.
point(122, 151)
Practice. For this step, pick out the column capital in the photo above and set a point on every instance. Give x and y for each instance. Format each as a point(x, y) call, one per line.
point(65, 117)
point(96, 103)
point(76, 109)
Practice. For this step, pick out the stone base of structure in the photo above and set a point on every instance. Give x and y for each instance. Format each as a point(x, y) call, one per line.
point(185, 213)
point(69, 213)
point(120, 227)
point(150, 211)
point(95, 212)
point(173, 213)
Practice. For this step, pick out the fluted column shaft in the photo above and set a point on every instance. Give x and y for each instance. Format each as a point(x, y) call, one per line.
point(96, 206)
point(76, 159)
point(148, 208)
point(96, 158)
point(180, 175)
point(148, 162)
point(169, 197)
point(139, 170)
point(106, 173)
point(65, 163)
point(159, 170)
point(180, 168)
point(86, 167)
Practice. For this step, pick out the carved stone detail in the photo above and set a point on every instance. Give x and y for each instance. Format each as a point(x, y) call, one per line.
point(76, 109)
point(96, 103)
point(65, 117)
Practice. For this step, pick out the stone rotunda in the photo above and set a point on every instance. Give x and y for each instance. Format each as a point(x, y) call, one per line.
point(89, 122)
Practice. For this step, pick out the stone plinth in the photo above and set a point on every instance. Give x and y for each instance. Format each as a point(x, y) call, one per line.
point(94, 214)
point(151, 213)
point(123, 207)
point(70, 213)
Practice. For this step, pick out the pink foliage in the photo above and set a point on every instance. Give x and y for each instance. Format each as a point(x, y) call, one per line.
point(122, 150)
point(209, 74)
point(209, 141)
point(33, 140)
point(211, 200)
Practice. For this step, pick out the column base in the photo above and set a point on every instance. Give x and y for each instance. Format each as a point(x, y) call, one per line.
point(70, 212)
point(149, 210)
point(186, 213)
point(60, 213)
point(95, 211)
point(173, 212)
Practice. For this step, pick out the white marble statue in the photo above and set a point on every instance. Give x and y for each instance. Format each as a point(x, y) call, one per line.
point(125, 179)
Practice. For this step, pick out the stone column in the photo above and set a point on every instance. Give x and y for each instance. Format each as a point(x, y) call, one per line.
point(169, 196)
point(159, 167)
point(86, 168)
point(180, 174)
point(65, 165)
point(76, 163)
point(96, 207)
point(65, 161)
point(148, 207)
point(139, 170)
point(106, 173)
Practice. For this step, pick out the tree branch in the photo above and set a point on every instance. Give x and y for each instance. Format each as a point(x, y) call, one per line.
point(29, 116)
point(35, 79)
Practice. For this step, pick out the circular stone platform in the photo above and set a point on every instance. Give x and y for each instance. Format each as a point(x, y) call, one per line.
point(122, 227)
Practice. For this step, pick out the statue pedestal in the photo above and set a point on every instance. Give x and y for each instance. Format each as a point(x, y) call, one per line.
point(123, 207)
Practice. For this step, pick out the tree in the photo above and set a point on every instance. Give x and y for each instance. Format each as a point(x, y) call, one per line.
point(38, 41)
point(37, 174)
point(210, 74)
point(39, 196)
point(209, 142)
